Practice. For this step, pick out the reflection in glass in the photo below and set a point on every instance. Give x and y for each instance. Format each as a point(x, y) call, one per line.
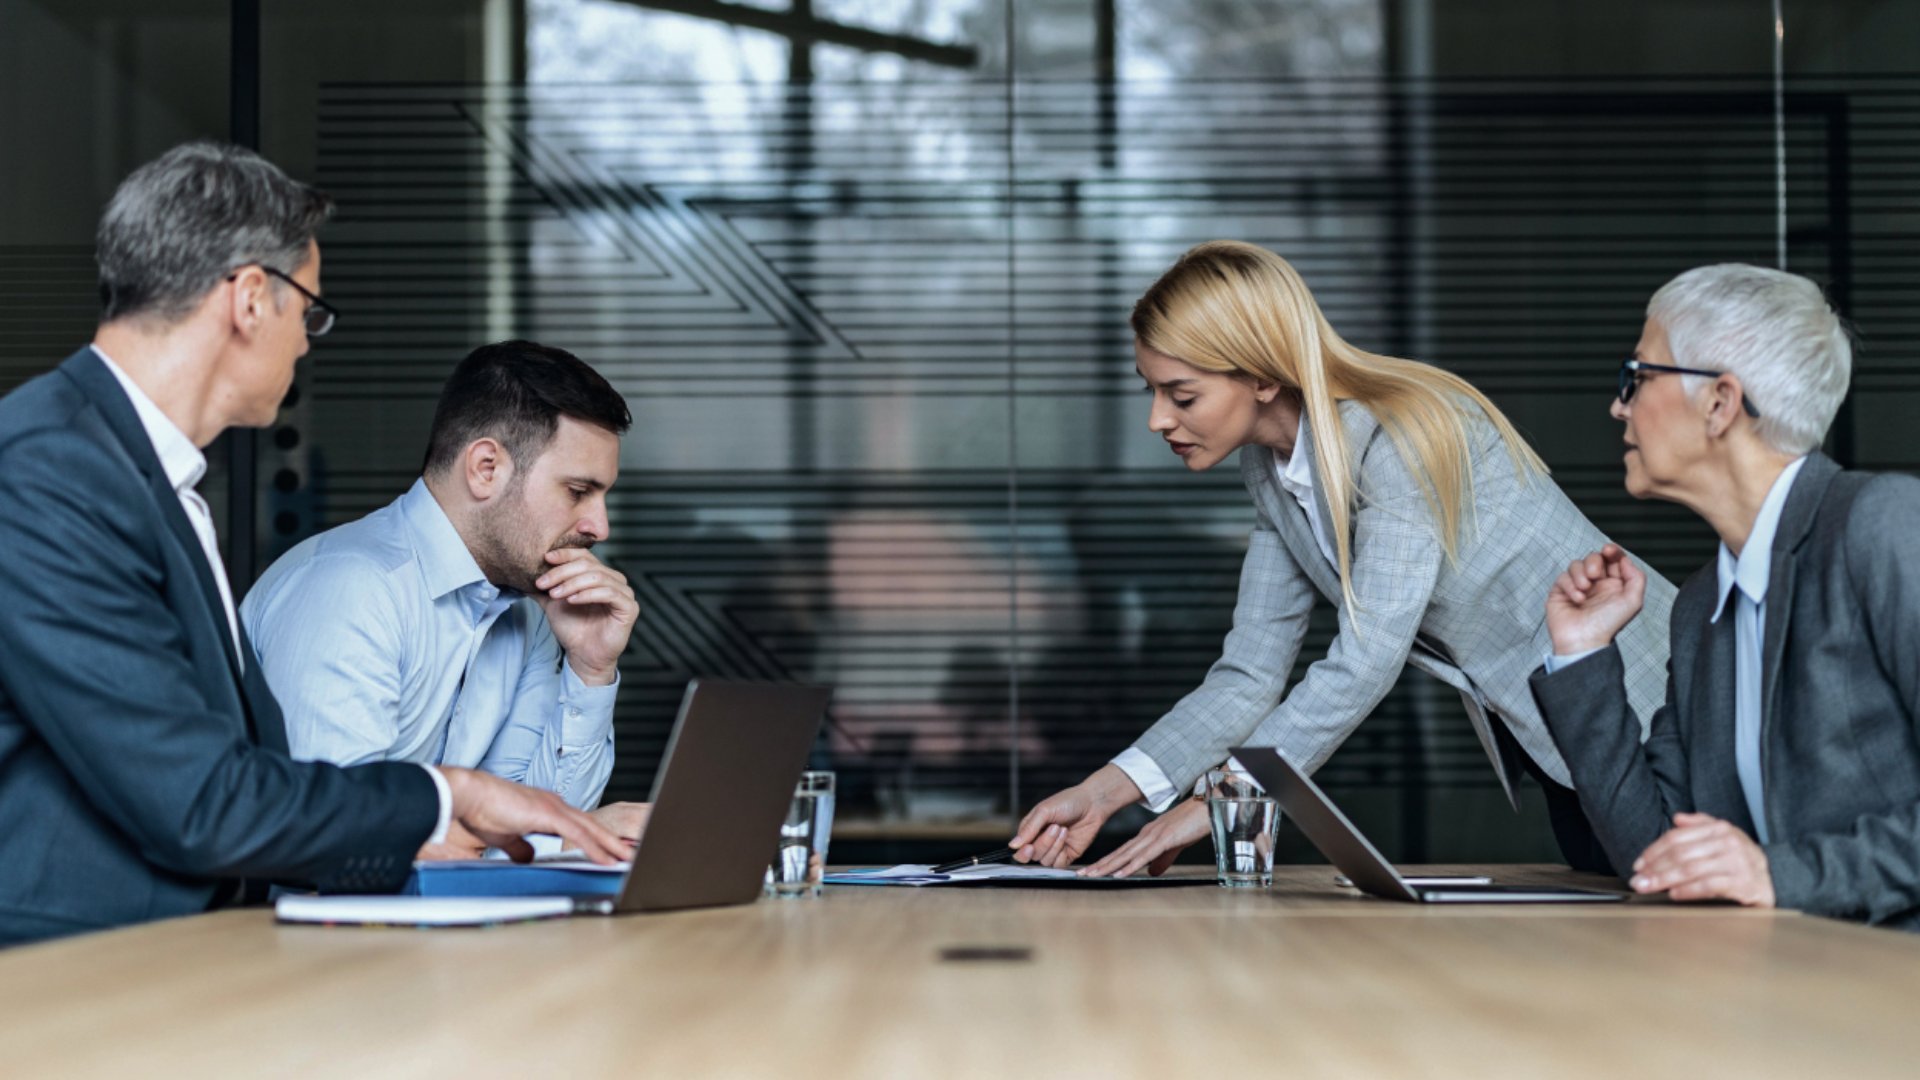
point(868, 298)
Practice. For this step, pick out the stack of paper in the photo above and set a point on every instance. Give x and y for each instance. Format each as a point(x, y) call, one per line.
point(917, 874)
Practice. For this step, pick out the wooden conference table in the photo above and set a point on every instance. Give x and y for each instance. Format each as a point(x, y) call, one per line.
point(1305, 979)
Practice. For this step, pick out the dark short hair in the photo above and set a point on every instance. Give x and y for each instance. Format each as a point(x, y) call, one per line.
point(516, 392)
point(182, 222)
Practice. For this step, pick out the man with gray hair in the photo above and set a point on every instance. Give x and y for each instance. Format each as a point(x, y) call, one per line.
point(1784, 769)
point(143, 763)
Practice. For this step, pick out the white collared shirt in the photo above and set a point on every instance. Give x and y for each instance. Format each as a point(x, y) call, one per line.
point(1295, 476)
point(184, 465)
point(1750, 573)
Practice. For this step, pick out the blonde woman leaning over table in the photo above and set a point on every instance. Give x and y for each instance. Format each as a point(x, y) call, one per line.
point(1391, 488)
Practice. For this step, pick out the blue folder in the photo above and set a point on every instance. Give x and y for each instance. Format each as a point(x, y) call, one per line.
point(497, 877)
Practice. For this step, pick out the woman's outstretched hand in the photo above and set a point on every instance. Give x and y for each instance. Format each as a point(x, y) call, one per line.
point(1061, 826)
point(1158, 844)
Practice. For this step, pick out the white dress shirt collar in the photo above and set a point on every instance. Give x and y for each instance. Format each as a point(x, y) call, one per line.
point(184, 465)
point(182, 461)
point(1295, 474)
point(1754, 567)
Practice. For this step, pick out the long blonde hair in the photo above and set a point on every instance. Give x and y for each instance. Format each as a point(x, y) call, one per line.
point(1235, 308)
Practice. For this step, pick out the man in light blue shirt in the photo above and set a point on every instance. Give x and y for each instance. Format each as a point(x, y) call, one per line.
point(467, 622)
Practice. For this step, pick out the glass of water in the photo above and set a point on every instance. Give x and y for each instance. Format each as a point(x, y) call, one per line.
point(1246, 822)
point(802, 858)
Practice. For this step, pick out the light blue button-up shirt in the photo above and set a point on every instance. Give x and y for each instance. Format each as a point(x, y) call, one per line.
point(383, 641)
point(1750, 573)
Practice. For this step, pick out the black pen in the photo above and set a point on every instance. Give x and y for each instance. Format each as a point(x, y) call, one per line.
point(997, 855)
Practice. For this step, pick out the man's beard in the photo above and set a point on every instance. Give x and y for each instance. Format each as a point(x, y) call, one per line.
point(509, 554)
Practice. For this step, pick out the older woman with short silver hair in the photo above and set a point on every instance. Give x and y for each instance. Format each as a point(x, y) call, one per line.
point(1784, 769)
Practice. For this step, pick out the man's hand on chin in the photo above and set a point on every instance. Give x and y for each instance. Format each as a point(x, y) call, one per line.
point(591, 608)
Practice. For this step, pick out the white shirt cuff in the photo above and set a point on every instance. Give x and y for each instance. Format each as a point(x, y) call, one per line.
point(1155, 789)
point(1233, 763)
point(1555, 661)
point(446, 806)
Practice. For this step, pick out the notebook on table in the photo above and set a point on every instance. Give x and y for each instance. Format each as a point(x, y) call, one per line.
point(419, 911)
point(569, 874)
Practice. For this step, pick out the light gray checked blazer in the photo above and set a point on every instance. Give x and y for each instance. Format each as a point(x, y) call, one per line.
point(1478, 624)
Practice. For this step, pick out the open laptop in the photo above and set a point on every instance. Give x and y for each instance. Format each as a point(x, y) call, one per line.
point(1344, 846)
point(722, 790)
point(719, 797)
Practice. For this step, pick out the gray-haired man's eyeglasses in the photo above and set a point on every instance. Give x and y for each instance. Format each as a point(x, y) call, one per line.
point(1630, 381)
point(320, 314)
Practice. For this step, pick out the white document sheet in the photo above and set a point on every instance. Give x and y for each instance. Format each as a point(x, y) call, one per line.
point(916, 874)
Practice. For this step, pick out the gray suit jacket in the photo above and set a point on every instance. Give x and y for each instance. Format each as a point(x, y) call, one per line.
point(1477, 624)
point(1840, 686)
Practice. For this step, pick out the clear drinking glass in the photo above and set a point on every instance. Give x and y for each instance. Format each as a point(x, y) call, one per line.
point(802, 857)
point(1246, 822)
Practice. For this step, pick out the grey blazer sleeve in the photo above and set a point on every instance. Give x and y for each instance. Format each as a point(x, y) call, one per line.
point(1395, 562)
point(1396, 559)
point(1269, 623)
point(1629, 790)
point(1872, 870)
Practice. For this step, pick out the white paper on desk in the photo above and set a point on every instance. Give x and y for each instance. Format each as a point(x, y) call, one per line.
point(419, 910)
point(917, 874)
point(544, 845)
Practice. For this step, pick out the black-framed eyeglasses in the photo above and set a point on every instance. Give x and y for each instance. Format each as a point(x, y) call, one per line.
point(320, 314)
point(1630, 374)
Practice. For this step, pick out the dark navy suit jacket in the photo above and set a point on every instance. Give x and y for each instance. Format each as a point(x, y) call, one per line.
point(142, 775)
